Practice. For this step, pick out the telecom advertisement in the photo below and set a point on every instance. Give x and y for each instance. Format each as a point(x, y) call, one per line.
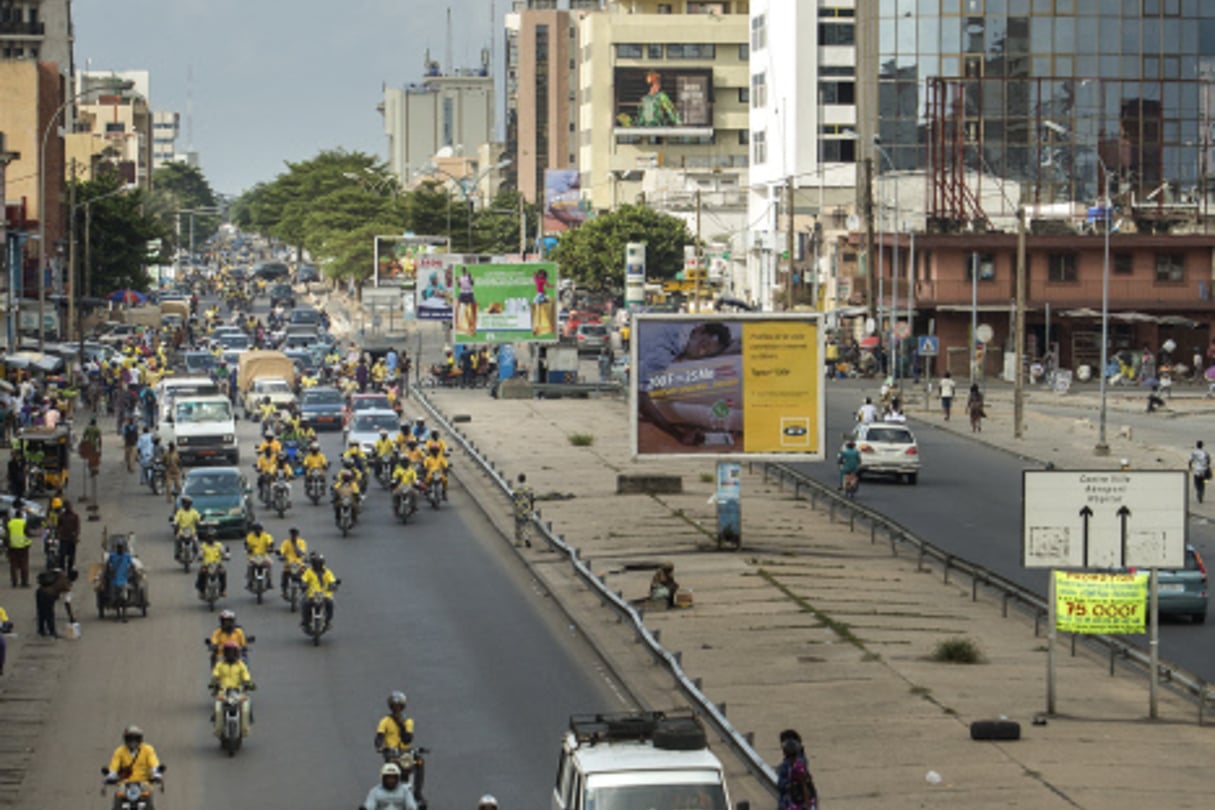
point(505, 303)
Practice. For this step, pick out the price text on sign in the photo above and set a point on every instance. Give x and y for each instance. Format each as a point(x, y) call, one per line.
point(1100, 603)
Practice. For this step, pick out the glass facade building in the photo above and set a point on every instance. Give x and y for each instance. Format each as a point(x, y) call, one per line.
point(1055, 95)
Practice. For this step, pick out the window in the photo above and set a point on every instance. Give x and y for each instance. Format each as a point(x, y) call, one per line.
point(744, 52)
point(987, 267)
point(759, 147)
point(838, 92)
point(691, 50)
point(628, 51)
point(744, 95)
point(836, 34)
point(759, 90)
point(836, 70)
point(653, 51)
point(1170, 268)
point(664, 8)
point(744, 136)
point(1124, 264)
point(1061, 268)
point(115, 127)
point(708, 8)
point(759, 32)
point(839, 151)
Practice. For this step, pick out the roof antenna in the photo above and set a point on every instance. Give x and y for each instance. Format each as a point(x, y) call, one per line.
point(447, 56)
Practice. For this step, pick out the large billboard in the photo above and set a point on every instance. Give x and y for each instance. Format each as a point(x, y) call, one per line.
point(396, 258)
point(663, 98)
point(728, 386)
point(505, 303)
point(562, 199)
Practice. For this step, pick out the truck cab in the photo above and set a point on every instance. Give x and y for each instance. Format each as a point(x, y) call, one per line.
point(638, 761)
point(204, 428)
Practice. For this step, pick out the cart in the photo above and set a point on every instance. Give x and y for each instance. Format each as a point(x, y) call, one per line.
point(120, 599)
point(47, 454)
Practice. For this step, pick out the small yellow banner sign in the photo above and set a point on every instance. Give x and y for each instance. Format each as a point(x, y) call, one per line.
point(1100, 603)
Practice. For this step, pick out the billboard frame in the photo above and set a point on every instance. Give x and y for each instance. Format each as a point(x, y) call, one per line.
point(817, 374)
point(400, 239)
point(626, 78)
point(526, 271)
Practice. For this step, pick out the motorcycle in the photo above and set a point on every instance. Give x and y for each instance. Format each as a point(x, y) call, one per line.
point(185, 548)
point(280, 495)
point(230, 727)
point(404, 502)
point(383, 471)
point(211, 587)
point(294, 457)
point(214, 651)
point(314, 485)
point(132, 795)
point(157, 477)
point(345, 515)
point(413, 768)
point(434, 490)
point(263, 488)
point(257, 577)
point(293, 584)
point(316, 626)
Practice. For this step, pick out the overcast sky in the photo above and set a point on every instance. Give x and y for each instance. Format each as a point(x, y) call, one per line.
point(277, 80)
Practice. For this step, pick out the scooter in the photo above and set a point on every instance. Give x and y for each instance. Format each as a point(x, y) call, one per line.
point(185, 548)
point(230, 728)
point(293, 583)
point(156, 477)
point(316, 625)
point(383, 471)
point(434, 491)
point(133, 795)
point(211, 588)
point(404, 502)
point(280, 496)
point(257, 578)
point(345, 515)
point(314, 485)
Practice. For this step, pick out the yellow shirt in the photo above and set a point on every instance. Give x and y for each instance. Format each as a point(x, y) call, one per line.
point(219, 638)
point(442, 445)
point(355, 453)
point(322, 585)
point(187, 520)
point(294, 553)
point(259, 544)
point(341, 488)
point(435, 464)
point(231, 676)
point(315, 461)
point(404, 476)
point(212, 553)
point(273, 444)
point(383, 447)
point(137, 767)
point(267, 464)
point(392, 732)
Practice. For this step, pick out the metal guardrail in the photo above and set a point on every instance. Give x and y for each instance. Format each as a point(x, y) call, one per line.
point(1187, 683)
point(715, 715)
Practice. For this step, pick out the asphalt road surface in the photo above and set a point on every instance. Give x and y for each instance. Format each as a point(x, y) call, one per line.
point(438, 608)
point(968, 502)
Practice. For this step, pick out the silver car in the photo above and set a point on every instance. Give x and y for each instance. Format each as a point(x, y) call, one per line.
point(888, 448)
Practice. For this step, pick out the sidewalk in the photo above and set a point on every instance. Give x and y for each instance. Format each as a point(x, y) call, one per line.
point(812, 627)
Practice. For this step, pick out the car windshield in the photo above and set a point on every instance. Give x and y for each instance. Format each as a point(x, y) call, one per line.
point(322, 398)
point(305, 316)
point(371, 403)
point(199, 412)
point(199, 361)
point(272, 387)
point(372, 422)
point(235, 341)
point(594, 331)
point(668, 797)
point(211, 483)
point(889, 435)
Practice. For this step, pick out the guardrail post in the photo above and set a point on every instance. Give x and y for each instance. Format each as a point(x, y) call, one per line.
point(1113, 660)
point(872, 532)
point(1073, 645)
point(1202, 703)
point(948, 564)
point(721, 707)
point(974, 587)
point(657, 634)
point(750, 738)
point(1004, 605)
point(919, 559)
point(831, 513)
point(797, 489)
point(851, 522)
point(698, 683)
point(678, 656)
point(894, 544)
point(1037, 623)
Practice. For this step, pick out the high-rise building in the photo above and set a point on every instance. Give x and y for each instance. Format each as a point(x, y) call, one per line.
point(803, 133)
point(166, 126)
point(113, 126)
point(37, 30)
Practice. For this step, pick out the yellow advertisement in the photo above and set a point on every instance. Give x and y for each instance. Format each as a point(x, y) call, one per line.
point(780, 386)
point(1111, 604)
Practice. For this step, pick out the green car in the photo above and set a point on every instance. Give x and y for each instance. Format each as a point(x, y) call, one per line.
point(223, 497)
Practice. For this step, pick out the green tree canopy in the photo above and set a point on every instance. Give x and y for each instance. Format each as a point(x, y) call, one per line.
point(593, 253)
point(113, 228)
point(182, 187)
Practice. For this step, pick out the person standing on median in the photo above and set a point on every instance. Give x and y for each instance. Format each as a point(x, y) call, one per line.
point(18, 548)
point(525, 503)
point(948, 389)
point(1200, 468)
point(974, 407)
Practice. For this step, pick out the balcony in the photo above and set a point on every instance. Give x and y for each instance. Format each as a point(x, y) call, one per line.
point(1145, 294)
point(22, 29)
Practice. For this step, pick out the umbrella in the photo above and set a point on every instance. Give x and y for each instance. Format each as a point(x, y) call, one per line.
point(871, 342)
point(129, 297)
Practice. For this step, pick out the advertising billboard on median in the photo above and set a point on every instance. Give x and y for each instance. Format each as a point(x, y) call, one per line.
point(505, 303)
point(728, 386)
point(396, 258)
point(563, 205)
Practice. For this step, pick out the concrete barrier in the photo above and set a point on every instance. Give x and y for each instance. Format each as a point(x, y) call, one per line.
point(649, 485)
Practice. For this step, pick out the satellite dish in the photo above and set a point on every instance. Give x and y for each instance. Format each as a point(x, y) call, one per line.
point(984, 333)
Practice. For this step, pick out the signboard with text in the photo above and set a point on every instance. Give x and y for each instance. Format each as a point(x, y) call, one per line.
point(1100, 603)
point(396, 258)
point(505, 303)
point(729, 386)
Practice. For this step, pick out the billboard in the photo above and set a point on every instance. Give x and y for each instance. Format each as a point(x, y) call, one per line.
point(728, 386)
point(396, 258)
point(562, 199)
point(663, 98)
point(505, 303)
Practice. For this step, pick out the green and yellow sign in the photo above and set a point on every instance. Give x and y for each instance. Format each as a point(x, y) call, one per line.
point(505, 303)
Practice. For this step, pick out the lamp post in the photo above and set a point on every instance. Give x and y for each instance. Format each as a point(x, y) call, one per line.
point(42, 185)
point(1102, 448)
point(894, 266)
point(460, 183)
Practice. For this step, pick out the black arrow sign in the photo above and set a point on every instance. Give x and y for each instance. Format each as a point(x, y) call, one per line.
point(1086, 513)
point(1123, 514)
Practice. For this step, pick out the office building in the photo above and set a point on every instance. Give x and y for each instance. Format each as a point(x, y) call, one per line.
point(113, 130)
point(166, 126)
point(38, 31)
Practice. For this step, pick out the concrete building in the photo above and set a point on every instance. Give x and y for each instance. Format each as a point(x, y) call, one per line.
point(1066, 113)
point(803, 123)
point(166, 126)
point(39, 31)
point(113, 133)
point(661, 85)
point(453, 110)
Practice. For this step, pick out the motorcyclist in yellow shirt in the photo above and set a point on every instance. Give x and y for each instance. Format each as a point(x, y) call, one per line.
point(258, 546)
point(228, 631)
point(211, 552)
point(294, 552)
point(267, 466)
point(346, 487)
point(435, 464)
point(133, 761)
point(186, 518)
point(232, 673)
point(319, 581)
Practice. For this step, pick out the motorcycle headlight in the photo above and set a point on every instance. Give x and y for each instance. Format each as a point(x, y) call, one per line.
point(133, 790)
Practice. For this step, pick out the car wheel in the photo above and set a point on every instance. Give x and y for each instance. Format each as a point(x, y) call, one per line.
point(912, 478)
point(1199, 618)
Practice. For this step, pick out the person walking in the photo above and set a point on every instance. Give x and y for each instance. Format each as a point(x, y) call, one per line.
point(130, 443)
point(1200, 468)
point(51, 585)
point(69, 536)
point(974, 407)
point(794, 784)
point(16, 475)
point(525, 503)
point(948, 389)
point(18, 550)
point(172, 472)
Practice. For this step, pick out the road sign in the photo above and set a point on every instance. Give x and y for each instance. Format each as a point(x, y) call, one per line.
point(984, 333)
point(929, 345)
point(1103, 518)
point(902, 330)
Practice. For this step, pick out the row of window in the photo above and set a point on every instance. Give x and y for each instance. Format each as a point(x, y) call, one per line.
point(1090, 8)
point(17, 52)
point(674, 50)
point(1061, 267)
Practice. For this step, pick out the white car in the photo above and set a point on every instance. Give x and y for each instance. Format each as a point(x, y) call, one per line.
point(276, 388)
point(365, 427)
point(888, 448)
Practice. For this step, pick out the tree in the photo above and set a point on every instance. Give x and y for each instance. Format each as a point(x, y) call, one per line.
point(496, 229)
point(118, 234)
point(593, 253)
point(182, 187)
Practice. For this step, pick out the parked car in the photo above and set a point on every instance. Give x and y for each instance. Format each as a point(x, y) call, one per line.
point(322, 408)
point(1183, 591)
point(888, 448)
point(591, 337)
point(222, 496)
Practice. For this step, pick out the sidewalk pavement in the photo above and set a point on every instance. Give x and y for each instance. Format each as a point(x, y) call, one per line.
point(813, 627)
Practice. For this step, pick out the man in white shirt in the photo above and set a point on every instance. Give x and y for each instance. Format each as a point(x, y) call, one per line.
point(948, 389)
point(868, 412)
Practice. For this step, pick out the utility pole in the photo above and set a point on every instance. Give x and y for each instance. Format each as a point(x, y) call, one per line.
point(1019, 343)
point(789, 243)
point(522, 228)
point(699, 261)
point(70, 287)
point(870, 241)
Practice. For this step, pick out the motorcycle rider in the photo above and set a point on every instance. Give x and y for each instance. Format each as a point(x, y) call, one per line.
point(413, 452)
point(269, 441)
point(133, 762)
point(487, 802)
point(186, 518)
point(346, 487)
point(404, 476)
point(294, 552)
point(258, 545)
point(384, 448)
point(435, 440)
point(267, 466)
point(391, 793)
point(420, 431)
point(318, 581)
point(395, 729)
point(212, 552)
point(435, 464)
point(266, 410)
point(314, 459)
point(231, 673)
point(228, 632)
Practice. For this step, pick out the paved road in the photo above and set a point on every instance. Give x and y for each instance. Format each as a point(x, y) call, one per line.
point(968, 501)
point(491, 671)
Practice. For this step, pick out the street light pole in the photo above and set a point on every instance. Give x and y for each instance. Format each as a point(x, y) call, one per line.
point(1102, 448)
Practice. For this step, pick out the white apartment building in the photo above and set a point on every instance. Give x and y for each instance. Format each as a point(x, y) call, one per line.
point(166, 126)
point(803, 119)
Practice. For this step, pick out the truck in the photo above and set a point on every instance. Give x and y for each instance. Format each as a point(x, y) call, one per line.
point(204, 428)
point(638, 759)
point(261, 374)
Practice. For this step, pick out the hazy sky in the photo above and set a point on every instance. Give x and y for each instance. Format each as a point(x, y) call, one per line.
point(277, 80)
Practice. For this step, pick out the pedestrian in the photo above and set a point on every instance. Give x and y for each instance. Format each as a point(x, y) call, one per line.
point(6, 627)
point(1154, 399)
point(948, 389)
point(663, 586)
point(466, 368)
point(69, 536)
point(172, 472)
point(1200, 468)
point(18, 548)
point(130, 443)
point(974, 408)
point(794, 784)
point(605, 364)
point(51, 585)
point(16, 475)
point(525, 503)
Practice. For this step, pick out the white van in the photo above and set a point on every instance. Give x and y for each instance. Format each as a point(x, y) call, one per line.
point(169, 390)
point(638, 760)
point(204, 428)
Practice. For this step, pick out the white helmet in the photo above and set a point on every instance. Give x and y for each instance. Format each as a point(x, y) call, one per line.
point(487, 801)
point(390, 769)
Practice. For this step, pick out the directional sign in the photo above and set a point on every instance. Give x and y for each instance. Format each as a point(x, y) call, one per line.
point(929, 345)
point(1103, 519)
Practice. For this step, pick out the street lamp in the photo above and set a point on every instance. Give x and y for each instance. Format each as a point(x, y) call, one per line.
point(432, 169)
point(117, 85)
point(894, 268)
point(1102, 448)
